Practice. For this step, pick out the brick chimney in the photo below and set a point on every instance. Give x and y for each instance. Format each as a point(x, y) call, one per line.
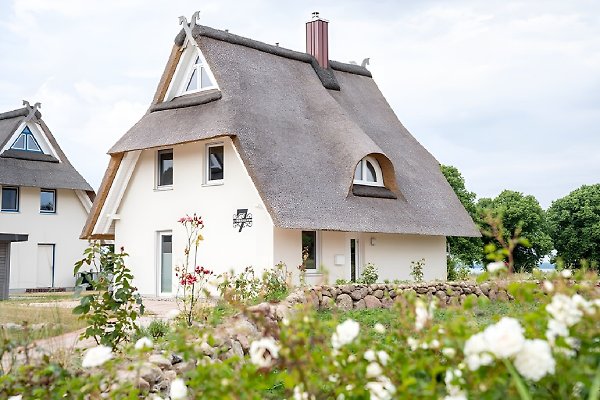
point(317, 39)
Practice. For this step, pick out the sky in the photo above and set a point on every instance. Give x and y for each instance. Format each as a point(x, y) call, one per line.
point(507, 91)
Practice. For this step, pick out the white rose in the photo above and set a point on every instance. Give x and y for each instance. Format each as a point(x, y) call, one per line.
point(379, 328)
point(449, 352)
point(548, 286)
point(422, 315)
point(383, 357)
point(96, 356)
point(264, 352)
point(178, 389)
point(566, 273)
point(345, 333)
point(374, 370)
point(381, 389)
point(144, 343)
point(370, 355)
point(535, 360)
point(477, 352)
point(496, 267)
point(505, 338)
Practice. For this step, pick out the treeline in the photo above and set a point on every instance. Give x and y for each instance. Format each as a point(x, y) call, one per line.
point(570, 226)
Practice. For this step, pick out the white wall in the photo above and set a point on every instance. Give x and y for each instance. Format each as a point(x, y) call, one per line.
point(391, 253)
point(62, 229)
point(144, 211)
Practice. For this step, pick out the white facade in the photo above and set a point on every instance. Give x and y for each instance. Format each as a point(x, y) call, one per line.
point(47, 258)
point(144, 212)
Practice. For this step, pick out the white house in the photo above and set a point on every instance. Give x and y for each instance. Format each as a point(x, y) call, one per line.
point(278, 151)
point(44, 204)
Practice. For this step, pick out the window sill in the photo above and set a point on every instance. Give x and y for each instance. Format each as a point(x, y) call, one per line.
point(10, 211)
point(163, 188)
point(214, 183)
point(47, 212)
point(313, 273)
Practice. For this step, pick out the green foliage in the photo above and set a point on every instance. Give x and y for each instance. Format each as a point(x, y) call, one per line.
point(157, 329)
point(275, 283)
point(523, 215)
point(574, 222)
point(466, 250)
point(369, 274)
point(111, 311)
point(341, 281)
point(416, 269)
point(246, 288)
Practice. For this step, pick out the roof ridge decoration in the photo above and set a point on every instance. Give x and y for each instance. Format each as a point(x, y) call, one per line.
point(188, 27)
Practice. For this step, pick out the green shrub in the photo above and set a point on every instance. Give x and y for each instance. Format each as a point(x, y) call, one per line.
point(369, 274)
point(416, 269)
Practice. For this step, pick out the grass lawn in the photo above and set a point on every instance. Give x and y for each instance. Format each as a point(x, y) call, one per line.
point(58, 319)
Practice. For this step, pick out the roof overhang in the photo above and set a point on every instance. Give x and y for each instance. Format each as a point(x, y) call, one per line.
point(13, 237)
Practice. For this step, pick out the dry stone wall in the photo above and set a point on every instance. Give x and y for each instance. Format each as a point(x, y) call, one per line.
point(379, 295)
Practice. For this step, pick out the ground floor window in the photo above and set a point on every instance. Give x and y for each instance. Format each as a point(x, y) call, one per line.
point(166, 262)
point(10, 199)
point(309, 250)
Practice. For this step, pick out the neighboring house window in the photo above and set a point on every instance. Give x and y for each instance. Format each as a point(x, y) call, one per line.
point(10, 199)
point(215, 160)
point(26, 142)
point(309, 249)
point(368, 172)
point(47, 201)
point(199, 77)
point(165, 168)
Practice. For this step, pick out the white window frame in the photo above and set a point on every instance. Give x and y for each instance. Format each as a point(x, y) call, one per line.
point(378, 172)
point(157, 185)
point(18, 199)
point(317, 269)
point(207, 180)
point(183, 73)
point(55, 201)
point(159, 289)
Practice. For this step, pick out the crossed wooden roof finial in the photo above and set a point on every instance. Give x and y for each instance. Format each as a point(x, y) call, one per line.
point(188, 27)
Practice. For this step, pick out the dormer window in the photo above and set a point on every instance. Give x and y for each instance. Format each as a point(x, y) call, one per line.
point(368, 172)
point(198, 77)
point(192, 75)
point(26, 142)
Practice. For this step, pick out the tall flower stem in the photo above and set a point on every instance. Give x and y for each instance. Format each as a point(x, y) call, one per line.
point(521, 388)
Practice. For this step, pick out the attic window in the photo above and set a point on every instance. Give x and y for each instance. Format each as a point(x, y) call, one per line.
point(26, 142)
point(198, 77)
point(368, 172)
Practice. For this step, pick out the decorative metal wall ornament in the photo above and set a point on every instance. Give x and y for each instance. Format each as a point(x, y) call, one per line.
point(242, 218)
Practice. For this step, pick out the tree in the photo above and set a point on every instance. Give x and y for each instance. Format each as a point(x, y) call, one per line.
point(467, 250)
point(524, 213)
point(574, 223)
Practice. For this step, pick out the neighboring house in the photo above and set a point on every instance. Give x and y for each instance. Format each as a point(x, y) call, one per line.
point(279, 151)
point(44, 204)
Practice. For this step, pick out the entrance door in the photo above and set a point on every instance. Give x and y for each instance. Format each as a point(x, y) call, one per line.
point(354, 259)
point(4, 269)
point(45, 265)
point(165, 263)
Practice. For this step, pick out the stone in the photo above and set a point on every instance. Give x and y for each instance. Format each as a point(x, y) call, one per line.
point(346, 289)
point(359, 293)
point(160, 361)
point(360, 305)
point(485, 288)
point(170, 375)
point(344, 302)
point(372, 302)
point(237, 349)
point(421, 289)
point(207, 349)
point(502, 295)
point(440, 294)
point(161, 386)
point(326, 303)
point(175, 359)
point(387, 302)
point(184, 367)
point(150, 373)
point(378, 293)
point(492, 294)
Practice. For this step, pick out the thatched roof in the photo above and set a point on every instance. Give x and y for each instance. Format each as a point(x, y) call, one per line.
point(22, 168)
point(301, 130)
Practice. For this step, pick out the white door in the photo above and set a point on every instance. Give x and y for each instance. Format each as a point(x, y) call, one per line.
point(45, 266)
point(165, 263)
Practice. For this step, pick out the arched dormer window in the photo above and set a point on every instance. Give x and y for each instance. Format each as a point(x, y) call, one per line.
point(368, 172)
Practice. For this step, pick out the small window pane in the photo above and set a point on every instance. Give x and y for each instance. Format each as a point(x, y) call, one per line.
point(165, 168)
point(193, 83)
point(309, 249)
point(32, 144)
point(47, 201)
point(10, 199)
point(205, 82)
point(371, 176)
point(197, 60)
point(19, 144)
point(215, 163)
point(358, 172)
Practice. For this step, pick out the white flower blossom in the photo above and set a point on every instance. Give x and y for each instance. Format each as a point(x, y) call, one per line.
point(345, 333)
point(144, 343)
point(452, 377)
point(370, 355)
point(374, 370)
point(495, 267)
point(564, 310)
point(172, 314)
point(351, 358)
point(460, 396)
point(382, 389)
point(423, 314)
point(263, 352)
point(566, 273)
point(17, 397)
point(333, 378)
point(299, 394)
point(178, 390)
point(477, 352)
point(548, 286)
point(96, 356)
point(379, 328)
point(412, 343)
point(449, 352)
point(505, 338)
point(434, 344)
point(383, 357)
point(535, 360)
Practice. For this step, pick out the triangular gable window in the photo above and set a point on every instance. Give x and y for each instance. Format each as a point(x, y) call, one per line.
point(192, 75)
point(26, 142)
